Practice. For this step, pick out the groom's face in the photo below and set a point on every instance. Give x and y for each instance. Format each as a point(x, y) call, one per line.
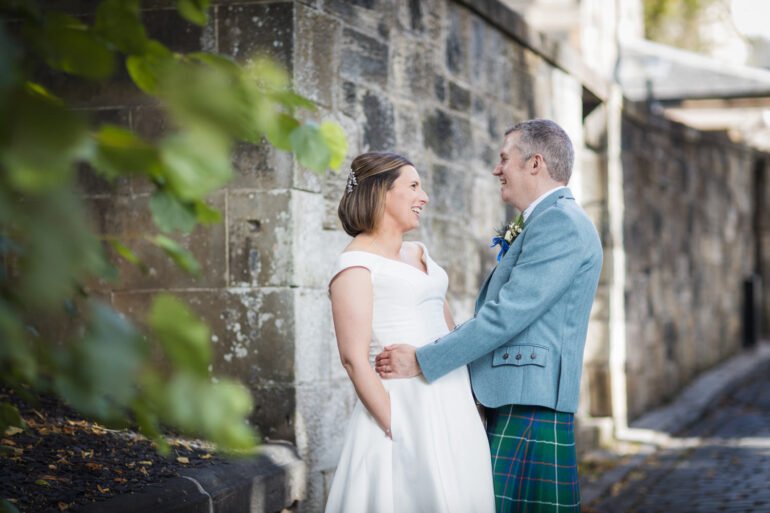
point(512, 173)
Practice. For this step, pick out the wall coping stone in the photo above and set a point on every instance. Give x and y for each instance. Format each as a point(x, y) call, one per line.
point(639, 112)
point(270, 482)
point(558, 54)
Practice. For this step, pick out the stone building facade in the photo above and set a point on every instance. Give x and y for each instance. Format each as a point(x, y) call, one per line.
point(439, 81)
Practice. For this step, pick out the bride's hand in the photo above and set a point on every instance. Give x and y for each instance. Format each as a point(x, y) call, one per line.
point(397, 361)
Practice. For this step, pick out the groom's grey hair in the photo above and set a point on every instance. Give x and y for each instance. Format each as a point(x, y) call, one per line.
point(545, 137)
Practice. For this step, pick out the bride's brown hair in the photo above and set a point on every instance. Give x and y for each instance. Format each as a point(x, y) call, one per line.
point(372, 175)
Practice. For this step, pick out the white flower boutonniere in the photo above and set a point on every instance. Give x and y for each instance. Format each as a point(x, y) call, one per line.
point(507, 234)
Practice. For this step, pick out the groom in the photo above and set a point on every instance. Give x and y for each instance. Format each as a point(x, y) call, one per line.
point(524, 345)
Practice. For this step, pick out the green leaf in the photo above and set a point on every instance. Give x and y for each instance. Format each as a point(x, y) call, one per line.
point(185, 338)
point(147, 70)
point(310, 147)
point(267, 74)
point(45, 139)
point(67, 44)
point(195, 11)
point(292, 100)
point(206, 214)
point(7, 507)
point(119, 22)
point(97, 375)
point(9, 416)
point(170, 214)
point(126, 253)
point(119, 152)
point(178, 254)
point(215, 410)
point(196, 164)
point(279, 133)
point(334, 136)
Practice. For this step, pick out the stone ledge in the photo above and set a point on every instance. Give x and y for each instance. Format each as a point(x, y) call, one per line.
point(271, 482)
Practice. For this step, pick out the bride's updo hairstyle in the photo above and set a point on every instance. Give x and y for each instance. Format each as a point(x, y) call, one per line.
point(371, 176)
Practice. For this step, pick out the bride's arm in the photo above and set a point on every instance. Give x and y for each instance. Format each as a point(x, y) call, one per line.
point(351, 295)
point(450, 322)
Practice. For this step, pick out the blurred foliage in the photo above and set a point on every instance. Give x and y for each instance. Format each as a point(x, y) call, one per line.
point(676, 22)
point(105, 366)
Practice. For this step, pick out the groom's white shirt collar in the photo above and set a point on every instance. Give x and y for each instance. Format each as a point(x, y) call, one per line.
point(534, 204)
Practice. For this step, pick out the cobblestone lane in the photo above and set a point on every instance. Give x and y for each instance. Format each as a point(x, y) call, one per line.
point(720, 464)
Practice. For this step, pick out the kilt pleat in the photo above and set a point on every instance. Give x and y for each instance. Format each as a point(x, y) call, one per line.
point(534, 462)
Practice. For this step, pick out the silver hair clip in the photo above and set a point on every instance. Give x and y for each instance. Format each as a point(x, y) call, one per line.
point(352, 182)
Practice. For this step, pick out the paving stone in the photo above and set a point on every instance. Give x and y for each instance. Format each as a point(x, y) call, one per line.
point(725, 470)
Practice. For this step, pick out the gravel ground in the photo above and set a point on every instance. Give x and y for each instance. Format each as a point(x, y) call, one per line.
point(62, 460)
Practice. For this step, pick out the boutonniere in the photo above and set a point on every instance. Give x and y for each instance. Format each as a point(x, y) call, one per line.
point(507, 234)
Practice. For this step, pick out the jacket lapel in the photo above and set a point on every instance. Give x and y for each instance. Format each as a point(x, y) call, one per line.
point(548, 202)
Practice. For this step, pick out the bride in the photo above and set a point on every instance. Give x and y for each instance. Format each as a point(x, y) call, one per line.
point(409, 446)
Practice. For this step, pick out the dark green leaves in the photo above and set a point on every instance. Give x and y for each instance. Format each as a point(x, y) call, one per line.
point(195, 11)
point(309, 145)
point(50, 253)
point(170, 214)
point(99, 370)
point(178, 254)
point(68, 45)
point(120, 152)
point(118, 21)
point(45, 138)
point(9, 417)
point(184, 338)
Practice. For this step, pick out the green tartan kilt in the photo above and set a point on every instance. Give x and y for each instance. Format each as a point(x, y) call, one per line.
point(534, 462)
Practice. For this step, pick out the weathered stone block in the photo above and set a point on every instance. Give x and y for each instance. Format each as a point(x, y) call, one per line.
point(450, 190)
point(379, 126)
point(456, 41)
point(251, 29)
point(363, 59)
point(259, 238)
point(323, 413)
point(314, 349)
point(127, 217)
point(439, 88)
point(459, 97)
point(252, 330)
point(307, 211)
point(316, 55)
point(447, 135)
point(412, 64)
point(374, 17)
point(261, 166)
point(409, 140)
point(274, 412)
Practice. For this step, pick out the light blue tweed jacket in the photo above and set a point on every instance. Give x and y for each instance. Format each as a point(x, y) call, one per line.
point(525, 343)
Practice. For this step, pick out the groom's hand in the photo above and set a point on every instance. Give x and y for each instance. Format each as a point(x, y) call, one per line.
point(397, 361)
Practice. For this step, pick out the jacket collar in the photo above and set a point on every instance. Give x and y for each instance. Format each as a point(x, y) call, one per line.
point(549, 201)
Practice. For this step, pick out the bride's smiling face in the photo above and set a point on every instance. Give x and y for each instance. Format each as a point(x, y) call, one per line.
point(405, 200)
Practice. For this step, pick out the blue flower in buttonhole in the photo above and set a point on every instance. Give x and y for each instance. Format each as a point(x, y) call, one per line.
point(507, 234)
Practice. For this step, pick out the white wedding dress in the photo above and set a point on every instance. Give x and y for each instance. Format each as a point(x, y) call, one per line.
point(438, 460)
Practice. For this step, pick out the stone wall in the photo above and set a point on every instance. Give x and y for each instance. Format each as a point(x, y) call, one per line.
point(689, 244)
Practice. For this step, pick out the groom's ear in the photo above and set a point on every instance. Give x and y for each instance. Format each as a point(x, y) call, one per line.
point(537, 164)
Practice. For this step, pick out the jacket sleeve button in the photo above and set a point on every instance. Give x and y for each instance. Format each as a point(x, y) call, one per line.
point(505, 356)
point(533, 356)
point(518, 356)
